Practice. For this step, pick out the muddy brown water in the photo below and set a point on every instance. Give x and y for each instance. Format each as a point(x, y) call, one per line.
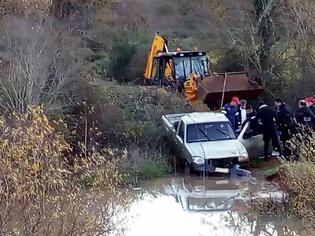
point(186, 205)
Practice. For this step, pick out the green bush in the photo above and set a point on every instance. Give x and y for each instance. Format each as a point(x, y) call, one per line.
point(137, 164)
point(131, 115)
point(154, 170)
point(121, 54)
point(125, 117)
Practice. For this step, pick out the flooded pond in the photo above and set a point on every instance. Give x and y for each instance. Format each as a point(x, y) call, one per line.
point(185, 205)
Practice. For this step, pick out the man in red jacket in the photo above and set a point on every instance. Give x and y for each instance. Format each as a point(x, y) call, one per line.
point(310, 101)
point(231, 110)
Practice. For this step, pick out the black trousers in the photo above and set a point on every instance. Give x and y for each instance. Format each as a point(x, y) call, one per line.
point(272, 135)
point(285, 135)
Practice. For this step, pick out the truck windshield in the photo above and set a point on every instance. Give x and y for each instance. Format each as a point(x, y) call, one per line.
point(210, 204)
point(213, 131)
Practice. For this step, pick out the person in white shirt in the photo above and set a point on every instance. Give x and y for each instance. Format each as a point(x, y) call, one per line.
point(242, 113)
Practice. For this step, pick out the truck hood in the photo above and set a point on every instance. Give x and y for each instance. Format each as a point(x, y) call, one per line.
point(216, 149)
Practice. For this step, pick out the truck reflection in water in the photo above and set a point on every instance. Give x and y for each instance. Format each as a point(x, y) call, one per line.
point(189, 206)
point(198, 194)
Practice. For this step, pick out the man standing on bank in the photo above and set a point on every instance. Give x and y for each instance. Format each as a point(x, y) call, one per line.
point(284, 120)
point(231, 110)
point(267, 117)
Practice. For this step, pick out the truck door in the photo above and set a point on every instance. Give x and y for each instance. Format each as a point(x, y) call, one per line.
point(180, 141)
point(252, 140)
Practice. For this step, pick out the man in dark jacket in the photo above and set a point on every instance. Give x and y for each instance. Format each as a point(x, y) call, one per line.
point(267, 117)
point(254, 127)
point(304, 115)
point(231, 110)
point(284, 120)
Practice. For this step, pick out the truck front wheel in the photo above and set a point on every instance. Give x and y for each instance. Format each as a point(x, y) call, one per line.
point(189, 170)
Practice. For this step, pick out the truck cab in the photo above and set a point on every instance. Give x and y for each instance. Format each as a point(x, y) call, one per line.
point(197, 195)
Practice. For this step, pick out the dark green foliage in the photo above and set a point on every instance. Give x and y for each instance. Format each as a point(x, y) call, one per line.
point(120, 56)
point(131, 115)
point(154, 170)
point(230, 62)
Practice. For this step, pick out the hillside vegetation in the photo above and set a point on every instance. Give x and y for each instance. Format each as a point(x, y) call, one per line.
point(68, 70)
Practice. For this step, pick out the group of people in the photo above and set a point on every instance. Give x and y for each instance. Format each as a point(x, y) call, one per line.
point(276, 124)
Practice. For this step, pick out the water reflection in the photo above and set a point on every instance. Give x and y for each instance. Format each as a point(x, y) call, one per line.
point(195, 206)
point(200, 194)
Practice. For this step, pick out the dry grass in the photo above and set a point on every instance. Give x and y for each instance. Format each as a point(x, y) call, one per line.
point(298, 177)
point(297, 180)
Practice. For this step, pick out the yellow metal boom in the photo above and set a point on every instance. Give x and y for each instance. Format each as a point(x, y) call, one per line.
point(159, 45)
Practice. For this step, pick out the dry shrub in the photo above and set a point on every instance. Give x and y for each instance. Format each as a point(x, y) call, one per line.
point(35, 6)
point(40, 194)
point(302, 145)
point(36, 69)
point(297, 180)
point(31, 151)
point(298, 177)
point(25, 7)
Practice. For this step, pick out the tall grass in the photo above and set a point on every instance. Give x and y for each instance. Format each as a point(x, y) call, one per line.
point(297, 180)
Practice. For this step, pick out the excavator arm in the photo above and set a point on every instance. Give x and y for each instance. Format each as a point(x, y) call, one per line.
point(159, 45)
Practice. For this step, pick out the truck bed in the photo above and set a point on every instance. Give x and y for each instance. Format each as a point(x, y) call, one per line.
point(169, 120)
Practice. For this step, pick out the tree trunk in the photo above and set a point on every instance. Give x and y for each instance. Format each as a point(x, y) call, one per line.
point(265, 30)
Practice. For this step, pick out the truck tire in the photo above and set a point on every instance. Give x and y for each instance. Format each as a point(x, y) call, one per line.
point(189, 170)
point(179, 163)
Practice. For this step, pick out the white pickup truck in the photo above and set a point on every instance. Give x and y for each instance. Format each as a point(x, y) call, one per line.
point(206, 142)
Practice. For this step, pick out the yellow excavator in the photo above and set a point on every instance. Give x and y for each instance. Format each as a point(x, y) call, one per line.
point(188, 72)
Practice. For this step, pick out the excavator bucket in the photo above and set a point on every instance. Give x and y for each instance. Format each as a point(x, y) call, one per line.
point(212, 89)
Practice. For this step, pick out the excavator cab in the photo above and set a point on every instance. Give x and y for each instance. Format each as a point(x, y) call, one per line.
point(175, 68)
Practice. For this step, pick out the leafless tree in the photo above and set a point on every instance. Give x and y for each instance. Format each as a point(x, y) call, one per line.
point(40, 62)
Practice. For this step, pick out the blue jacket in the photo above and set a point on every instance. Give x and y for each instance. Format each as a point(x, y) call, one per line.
point(231, 112)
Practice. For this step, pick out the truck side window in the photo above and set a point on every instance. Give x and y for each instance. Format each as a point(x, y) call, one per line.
point(181, 131)
point(176, 123)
